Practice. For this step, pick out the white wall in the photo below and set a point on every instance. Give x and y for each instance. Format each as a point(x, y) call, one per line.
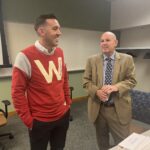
point(132, 18)
point(77, 44)
point(18, 36)
point(129, 13)
point(139, 37)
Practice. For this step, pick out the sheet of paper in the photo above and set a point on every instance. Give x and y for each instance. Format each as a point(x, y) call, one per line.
point(135, 142)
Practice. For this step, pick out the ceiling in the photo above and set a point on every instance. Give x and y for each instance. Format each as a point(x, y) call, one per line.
point(82, 14)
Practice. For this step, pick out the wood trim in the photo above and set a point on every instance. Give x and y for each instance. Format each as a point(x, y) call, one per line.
point(76, 71)
point(12, 113)
point(3, 120)
point(79, 99)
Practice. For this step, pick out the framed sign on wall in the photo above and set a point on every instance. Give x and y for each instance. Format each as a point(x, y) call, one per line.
point(4, 58)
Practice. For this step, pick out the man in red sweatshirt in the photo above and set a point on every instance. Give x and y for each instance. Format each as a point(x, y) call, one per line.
point(40, 89)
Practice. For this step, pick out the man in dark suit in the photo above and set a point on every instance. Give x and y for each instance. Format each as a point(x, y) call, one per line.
point(108, 78)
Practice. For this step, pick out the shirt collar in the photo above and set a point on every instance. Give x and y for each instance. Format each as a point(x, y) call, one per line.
point(43, 49)
point(112, 56)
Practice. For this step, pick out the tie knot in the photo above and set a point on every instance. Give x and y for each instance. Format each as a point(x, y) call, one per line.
point(108, 59)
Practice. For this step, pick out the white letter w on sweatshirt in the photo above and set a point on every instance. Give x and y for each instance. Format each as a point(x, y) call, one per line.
point(52, 69)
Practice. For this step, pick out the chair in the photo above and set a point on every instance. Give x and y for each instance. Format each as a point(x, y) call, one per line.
point(3, 119)
point(71, 89)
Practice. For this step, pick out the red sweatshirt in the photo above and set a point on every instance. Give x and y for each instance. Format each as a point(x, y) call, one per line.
point(40, 85)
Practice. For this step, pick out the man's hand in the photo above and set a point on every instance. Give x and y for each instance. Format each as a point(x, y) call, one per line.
point(109, 88)
point(105, 91)
point(103, 96)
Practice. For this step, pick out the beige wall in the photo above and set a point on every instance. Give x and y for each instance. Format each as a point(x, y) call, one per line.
point(139, 37)
point(5, 92)
point(19, 36)
point(77, 44)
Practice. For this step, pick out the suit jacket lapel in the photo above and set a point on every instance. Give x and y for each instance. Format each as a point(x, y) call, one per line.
point(99, 63)
point(116, 69)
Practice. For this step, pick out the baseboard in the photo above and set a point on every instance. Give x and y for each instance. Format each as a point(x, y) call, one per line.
point(79, 99)
point(11, 113)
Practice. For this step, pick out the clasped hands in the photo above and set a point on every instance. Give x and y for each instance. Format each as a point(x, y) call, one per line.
point(105, 91)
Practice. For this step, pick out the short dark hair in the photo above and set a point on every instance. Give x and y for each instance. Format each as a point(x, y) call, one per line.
point(42, 19)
